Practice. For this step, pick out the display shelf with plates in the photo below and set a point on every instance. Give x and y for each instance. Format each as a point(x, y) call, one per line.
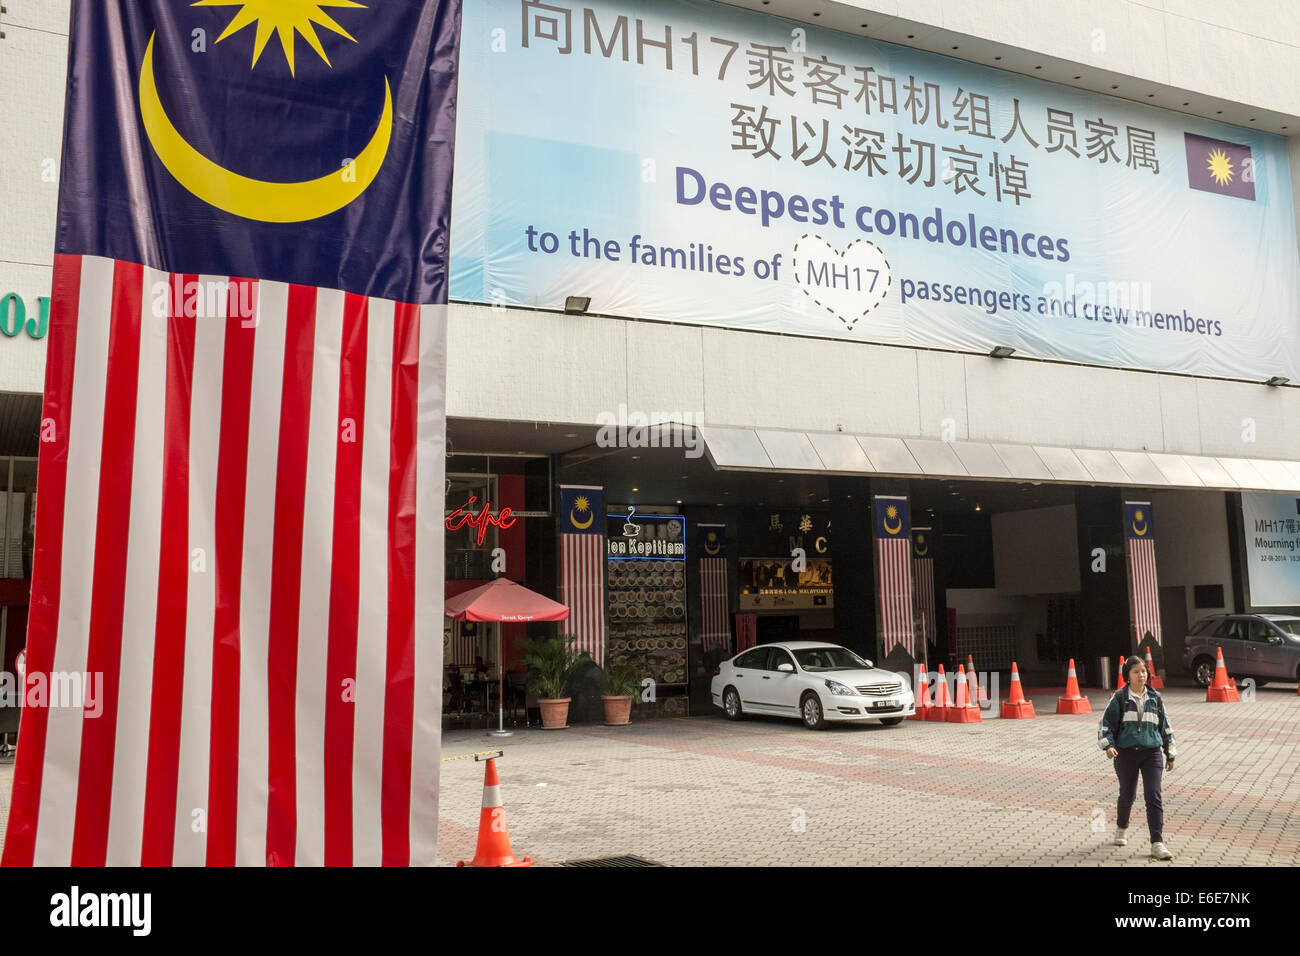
point(647, 618)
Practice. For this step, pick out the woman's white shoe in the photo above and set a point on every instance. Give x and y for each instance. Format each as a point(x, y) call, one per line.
point(1160, 852)
point(1121, 836)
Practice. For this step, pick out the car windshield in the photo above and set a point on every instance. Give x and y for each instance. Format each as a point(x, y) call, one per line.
point(1291, 626)
point(817, 659)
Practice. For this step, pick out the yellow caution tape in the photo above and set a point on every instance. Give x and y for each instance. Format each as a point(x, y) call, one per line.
point(481, 753)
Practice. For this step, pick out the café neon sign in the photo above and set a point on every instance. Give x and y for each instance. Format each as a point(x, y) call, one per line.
point(465, 518)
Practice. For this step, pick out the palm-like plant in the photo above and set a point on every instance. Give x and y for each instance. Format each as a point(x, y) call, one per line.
point(623, 680)
point(550, 662)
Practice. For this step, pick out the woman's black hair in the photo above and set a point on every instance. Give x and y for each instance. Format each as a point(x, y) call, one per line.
point(1131, 663)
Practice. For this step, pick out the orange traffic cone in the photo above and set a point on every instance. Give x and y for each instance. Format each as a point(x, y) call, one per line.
point(1073, 702)
point(977, 692)
point(1221, 691)
point(1153, 679)
point(1016, 705)
point(922, 694)
point(941, 703)
point(1121, 683)
point(493, 837)
point(964, 710)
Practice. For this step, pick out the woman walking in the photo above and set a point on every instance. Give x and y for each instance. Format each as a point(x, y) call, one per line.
point(1133, 732)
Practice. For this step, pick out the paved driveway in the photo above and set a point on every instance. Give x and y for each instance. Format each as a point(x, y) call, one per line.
point(765, 791)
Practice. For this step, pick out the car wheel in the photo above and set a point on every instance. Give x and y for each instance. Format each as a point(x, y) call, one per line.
point(811, 711)
point(891, 721)
point(731, 704)
point(1203, 669)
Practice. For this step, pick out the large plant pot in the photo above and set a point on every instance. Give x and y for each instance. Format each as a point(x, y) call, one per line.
point(555, 713)
point(618, 710)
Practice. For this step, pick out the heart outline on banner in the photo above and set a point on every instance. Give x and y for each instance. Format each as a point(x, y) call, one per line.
point(835, 304)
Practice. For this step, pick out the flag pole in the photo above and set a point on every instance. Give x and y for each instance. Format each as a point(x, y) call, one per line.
point(501, 698)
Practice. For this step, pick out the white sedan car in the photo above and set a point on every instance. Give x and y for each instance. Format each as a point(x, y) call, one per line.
point(810, 680)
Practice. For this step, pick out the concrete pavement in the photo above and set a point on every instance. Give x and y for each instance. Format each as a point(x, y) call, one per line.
point(765, 791)
point(768, 792)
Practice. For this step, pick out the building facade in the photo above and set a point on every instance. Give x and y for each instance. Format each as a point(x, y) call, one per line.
point(787, 423)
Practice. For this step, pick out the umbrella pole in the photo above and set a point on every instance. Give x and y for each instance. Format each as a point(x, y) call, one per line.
point(501, 698)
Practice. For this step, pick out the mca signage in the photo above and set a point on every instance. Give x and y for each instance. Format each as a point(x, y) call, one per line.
point(733, 168)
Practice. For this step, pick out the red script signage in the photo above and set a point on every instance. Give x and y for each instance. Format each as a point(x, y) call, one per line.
point(463, 517)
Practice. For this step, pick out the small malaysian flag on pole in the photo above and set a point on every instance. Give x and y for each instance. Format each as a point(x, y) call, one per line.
point(894, 573)
point(923, 571)
point(1144, 586)
point(714, 631)
point(582, 565)
point(465, 644)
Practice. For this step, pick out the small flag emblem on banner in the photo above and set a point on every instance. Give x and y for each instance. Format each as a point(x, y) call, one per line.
point(1215, 166)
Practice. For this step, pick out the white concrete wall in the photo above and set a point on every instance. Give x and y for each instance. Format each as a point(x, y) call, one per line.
point(33, 64)
point(537, 366)
point(1238, 51)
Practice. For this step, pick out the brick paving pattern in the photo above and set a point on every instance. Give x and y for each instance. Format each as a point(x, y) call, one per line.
point(766, 791)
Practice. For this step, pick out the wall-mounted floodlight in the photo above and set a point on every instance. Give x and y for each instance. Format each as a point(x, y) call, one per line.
point(1002, 351)
point(577, 304)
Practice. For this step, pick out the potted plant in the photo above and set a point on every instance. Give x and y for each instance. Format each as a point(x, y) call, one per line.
point(550, 662)
point(623, 683)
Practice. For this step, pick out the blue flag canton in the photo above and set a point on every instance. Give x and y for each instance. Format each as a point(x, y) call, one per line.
point(921, 543)
point(1217, 166)
point(892, 518)
point(713, 541)
point(1138, 520)
point(304, 142)
point(582, 511)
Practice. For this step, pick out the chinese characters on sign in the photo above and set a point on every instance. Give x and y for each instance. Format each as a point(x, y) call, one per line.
point(791, 78)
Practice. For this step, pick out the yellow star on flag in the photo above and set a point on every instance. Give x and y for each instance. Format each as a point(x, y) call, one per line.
point(283, 17)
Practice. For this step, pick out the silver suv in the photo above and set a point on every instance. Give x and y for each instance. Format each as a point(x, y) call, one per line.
point(1265, 647)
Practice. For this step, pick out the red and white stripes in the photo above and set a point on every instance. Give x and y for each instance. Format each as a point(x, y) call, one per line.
point(1144, 588)
point(713, 603)
point(241, 492)
point(463, 645)
point(582, 590)
point(894, 592)
point(923, 570)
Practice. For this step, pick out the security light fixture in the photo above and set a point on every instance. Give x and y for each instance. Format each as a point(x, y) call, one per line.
point(1002, 351)
point(1277, 380)
point(577, 304)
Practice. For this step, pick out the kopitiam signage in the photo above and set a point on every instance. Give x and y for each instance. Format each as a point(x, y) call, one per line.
point(632, 536)
point(726, 167)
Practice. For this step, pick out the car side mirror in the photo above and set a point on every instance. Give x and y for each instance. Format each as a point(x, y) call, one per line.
point(1275, 638)
point(870, 663)
point(786, 668)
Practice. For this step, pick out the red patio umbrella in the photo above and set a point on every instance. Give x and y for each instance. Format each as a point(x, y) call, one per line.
point(503, 600)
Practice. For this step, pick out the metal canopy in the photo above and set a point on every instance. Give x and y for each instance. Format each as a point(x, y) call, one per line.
point(744, 449)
